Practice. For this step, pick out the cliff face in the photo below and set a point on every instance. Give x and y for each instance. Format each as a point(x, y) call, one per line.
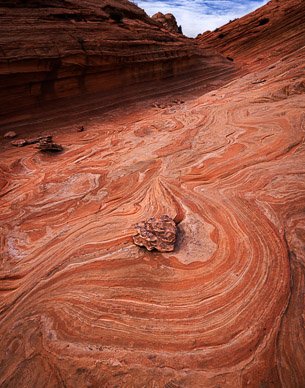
point(82, 306)
point(51, 50)
point(263, 36)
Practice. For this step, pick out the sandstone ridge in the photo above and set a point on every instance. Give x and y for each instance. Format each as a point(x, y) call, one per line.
point(168, 21)
point(263, 36)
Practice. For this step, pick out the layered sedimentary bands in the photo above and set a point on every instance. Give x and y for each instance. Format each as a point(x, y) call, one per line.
point(82, 305)
point(54, 49)
point(263, 36)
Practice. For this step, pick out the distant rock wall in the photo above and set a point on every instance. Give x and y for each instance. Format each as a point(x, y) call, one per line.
point(263, 36)
point(57, 49)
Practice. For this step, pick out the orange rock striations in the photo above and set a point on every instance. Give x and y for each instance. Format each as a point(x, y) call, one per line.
point(81, 305)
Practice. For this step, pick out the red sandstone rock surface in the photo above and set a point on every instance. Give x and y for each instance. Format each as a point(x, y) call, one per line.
point(263, 36)
point(81, 305)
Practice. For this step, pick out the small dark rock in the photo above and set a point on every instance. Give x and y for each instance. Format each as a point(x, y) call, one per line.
point(10, 135)
point(167, 104)
point(178, 101)
point(19, 143)
point(46, 144)
point(35, 140)
point(230, 59)
point(81, 129)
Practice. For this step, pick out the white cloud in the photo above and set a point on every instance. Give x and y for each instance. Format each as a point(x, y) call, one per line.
point(197, 16)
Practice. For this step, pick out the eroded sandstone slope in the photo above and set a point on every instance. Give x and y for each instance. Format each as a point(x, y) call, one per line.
point(263, 36)
point(81, 305)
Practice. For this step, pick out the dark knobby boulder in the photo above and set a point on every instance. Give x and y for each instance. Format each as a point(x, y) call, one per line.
point(46, 144)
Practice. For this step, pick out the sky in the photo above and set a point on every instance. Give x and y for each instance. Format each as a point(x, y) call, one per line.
point(197, 16)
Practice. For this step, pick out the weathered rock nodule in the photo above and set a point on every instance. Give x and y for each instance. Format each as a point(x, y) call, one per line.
point(156, 233)
point(19, 143)
point(46, 144)
point(10, 135)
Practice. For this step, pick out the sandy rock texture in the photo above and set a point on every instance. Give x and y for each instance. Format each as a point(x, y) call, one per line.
point(81, 305)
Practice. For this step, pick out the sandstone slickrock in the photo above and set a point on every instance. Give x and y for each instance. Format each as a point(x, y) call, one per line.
point(81, 305)
point(156, 233)
point(263, 36)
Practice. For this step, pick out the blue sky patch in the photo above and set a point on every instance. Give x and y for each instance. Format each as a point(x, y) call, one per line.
point(197, 16)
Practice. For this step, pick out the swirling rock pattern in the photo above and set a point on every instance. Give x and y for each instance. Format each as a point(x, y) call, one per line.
point(82, 306)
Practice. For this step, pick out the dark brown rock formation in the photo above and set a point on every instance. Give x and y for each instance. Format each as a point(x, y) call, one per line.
point(19, 142)
point(10, 135)
point(167, 21)
point(53, 50)
point(156, 233)
point(46, 144)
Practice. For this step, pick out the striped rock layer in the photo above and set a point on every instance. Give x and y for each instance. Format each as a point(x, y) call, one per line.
point(263, 36)
point(81, 305)
point(54, 50)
